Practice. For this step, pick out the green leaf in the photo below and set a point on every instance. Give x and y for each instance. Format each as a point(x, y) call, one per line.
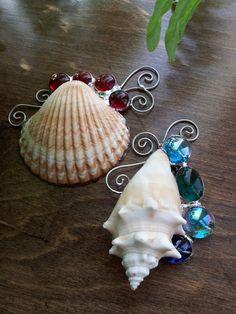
point(177, 24)
point(154, 25)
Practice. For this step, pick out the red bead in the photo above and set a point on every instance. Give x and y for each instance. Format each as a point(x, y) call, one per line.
point(58, 79)
point(105, 82)
point(119, 100)
point(83, 76)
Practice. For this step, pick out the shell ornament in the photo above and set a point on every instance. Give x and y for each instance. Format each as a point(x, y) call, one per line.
point(78, 133)
point(149, 222)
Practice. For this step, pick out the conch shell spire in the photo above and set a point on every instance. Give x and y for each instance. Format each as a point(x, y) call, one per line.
point(145, 218)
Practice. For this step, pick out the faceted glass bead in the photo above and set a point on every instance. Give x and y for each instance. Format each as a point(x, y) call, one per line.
point(190, 184)
point(58, 79)
point(183, 246)
point(200, 222)
point(83, 76)
point(105, 82)
point(177, 149)
point(119, 100)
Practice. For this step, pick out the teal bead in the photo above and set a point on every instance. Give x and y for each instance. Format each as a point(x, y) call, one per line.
point(200, 222)
point(190, 184)
point(177, 149)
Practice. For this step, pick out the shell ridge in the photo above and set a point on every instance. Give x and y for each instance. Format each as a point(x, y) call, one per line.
point(30, 128)
point(118, 129)
point(108, 125)
point(98, 138)
point(77, 132)
point(66, 138)
point(91, 149)
point(86, 140)
point(116, 140)
point(67, 135)
point(51, 143)
point(84, 173)
point(59, 109)
point(59, 142)
point(43, 143)
point(74, 96)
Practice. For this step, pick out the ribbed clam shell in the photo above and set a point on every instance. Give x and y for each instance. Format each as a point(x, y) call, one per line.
point(145, 218)
point(74, 137)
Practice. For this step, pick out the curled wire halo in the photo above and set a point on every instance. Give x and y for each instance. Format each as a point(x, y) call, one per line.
point(148, 75)
point(142, 140)
point(145, 100)
point(139, 143)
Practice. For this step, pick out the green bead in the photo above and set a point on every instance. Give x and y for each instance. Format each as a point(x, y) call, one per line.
point(190, 184)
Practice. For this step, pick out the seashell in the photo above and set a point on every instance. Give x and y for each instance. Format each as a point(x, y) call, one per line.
point(75, 136)
point(145, 218)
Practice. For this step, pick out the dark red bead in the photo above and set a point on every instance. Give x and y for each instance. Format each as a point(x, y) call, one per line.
point(119, 100)
point(83, 76)
point(105, 82)
point(58, 79)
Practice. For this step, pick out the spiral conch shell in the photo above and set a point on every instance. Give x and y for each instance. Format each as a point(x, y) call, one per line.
point(75, 136)
point(145, 218)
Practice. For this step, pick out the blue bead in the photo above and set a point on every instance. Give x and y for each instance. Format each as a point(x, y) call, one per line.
point(183, 246)
point(177, 149)
point(200, 222)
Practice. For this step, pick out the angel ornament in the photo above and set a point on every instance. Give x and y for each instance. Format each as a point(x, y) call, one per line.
point(78, 134)
point(149, 222)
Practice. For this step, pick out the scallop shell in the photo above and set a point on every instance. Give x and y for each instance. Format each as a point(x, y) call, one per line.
point(145, 218)
point(74, 137)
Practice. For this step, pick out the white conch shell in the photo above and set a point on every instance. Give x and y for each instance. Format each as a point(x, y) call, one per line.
point(145, 218)
point(74, 137)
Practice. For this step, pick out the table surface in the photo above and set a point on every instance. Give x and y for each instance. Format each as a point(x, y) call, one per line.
point(53, 249)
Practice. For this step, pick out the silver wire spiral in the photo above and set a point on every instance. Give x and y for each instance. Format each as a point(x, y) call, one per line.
point(145, 143)
point(121, 180)
point(42, 95)
point(148, 75)
point(19, 117)
point(190, 131)
point(143, 102)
